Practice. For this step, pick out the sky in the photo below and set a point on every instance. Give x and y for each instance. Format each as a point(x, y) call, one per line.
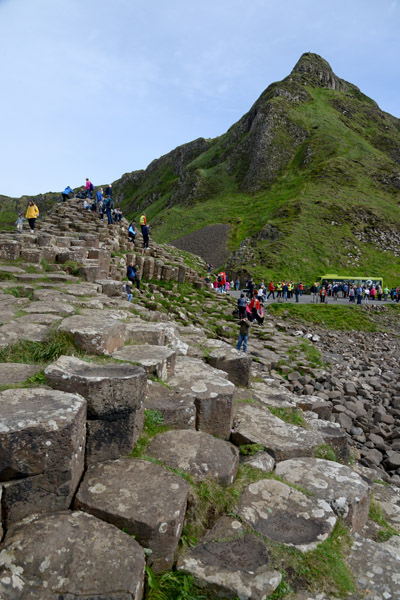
point(98, 88)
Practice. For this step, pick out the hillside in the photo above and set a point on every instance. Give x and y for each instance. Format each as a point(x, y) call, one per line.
point(308, 181)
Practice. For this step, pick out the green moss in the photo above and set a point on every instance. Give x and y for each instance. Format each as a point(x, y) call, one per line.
point(289, 415)
point(386, 531)
point(326, 452)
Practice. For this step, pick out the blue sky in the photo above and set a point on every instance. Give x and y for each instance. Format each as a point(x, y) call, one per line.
point(93, 88)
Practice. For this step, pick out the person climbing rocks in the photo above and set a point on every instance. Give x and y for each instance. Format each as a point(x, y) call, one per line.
point(132, 232)
point(32, 213)
point(145, 233)
point(89, 187)
point(244, 327)
point(132, 275)
point(65, 194)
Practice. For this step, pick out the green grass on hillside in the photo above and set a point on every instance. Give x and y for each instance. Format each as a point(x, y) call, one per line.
point(346, 318)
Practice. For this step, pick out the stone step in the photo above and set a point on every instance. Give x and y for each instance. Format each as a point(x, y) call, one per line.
point(95, 333)
point(68, 555)
point(142, 498)
point(157, 361)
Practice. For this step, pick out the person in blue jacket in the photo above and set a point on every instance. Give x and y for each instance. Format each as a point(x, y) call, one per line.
point(65, 194)
point(132, 275)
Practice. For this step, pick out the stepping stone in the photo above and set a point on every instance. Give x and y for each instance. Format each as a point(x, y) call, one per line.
point(82, 289)
point(10, 269)
point(230, 562)
point(16, 372)
point(236, 364)
point(12, 332)
point(42, 441)
point(61, 308)
point(200, 454)
point(95, 334)
point(111, 287)
point(178, 410)
point(332, 434)
point(70, 555)
point(141, 332)
point(39, 318)
point(141, 497)
point(376, 570)
point(281, 397)
point(115, 403)
point(345, 491)
point(158, 361)
point(212, 392)
point(286, 515)
point(255, 424)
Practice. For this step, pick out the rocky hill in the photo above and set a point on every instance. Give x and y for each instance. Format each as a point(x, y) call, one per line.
point(134, 434)
point(308, 182)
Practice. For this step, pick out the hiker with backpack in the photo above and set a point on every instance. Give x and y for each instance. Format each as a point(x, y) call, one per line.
point(108, 205)
point(89, 187)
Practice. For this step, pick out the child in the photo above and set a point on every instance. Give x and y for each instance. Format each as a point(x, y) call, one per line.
point(20, 222)
point(129, 292)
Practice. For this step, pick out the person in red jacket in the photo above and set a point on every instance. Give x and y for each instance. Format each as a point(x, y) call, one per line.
point(271, 289)
point(256, 309)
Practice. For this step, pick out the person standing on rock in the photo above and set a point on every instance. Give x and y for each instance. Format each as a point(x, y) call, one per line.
point(132, 232)
point(108, 208)
point(109, 191)
point(142, 221)
point(132, 275)
point(244, 327)
point(32, 213)
point(20, 222)
point(242, 306)
point(89, 187)
point(145, 233)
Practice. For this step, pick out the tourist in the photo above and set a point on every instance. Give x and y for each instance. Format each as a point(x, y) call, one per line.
point(297, 292)
point(132, 274)
point(145, 233)
point(285, 291)
point(132, 232)
point(20, 222)
point(99, 196)
point(128, 290)
point(108, 208)
point(32, 213)
point(65, 194)
point(244, 326)
point(237, 284)
point(271, 290)
point(242, 303)
point(109, 191)
point(385, 293)
point(142, 221)
point(322, 294)
point(89, 187)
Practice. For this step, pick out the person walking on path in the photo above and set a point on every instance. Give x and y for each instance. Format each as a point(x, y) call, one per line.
point(297, 292)
point(32, 213)
point(20, 222)
point(145, 233)
point(132, 275)
point(244, 327)
point(271, 290)
point(142, 221)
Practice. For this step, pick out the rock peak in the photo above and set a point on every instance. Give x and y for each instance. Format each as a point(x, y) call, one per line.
point(317, 71)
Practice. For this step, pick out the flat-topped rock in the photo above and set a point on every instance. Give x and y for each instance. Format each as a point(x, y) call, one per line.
point(286, 515)
point(10, 269)
point(272, 395)
point(230, 562)
point(60, 308)
point(141, 332)
point(42, 441)
point(345, 491)
point(376, 570)
point(255, 424)
point(95, 334)
point(70, 555)
point(13, 331)
point(261, 460)
point(200, 454)
point(332, 434)
point(212, 392)
point(141, 497)
point(82, 289)
point(16, 372)
point(110, 389)
point(111, 287)
point(236, 364)
point(178, 409)
point(156, 360)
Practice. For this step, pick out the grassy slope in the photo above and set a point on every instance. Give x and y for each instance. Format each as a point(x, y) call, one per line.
point(329, 180)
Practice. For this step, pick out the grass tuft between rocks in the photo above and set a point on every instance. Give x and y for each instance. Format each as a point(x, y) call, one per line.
point(386, 531)
point(26, 351)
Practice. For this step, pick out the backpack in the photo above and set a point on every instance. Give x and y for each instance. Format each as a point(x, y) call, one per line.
point(219, 278)
point(91, 186)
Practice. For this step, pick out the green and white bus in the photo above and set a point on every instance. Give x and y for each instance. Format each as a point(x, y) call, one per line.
point(351, 280)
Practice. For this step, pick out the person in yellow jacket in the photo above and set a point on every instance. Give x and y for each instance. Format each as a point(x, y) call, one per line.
point(32, 213)
point(142, 221)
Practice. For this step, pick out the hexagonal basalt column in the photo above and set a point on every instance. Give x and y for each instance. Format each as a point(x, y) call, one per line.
point(94, 333)
point(42, 442)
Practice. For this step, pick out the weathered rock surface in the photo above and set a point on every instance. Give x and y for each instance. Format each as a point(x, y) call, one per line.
point(345, 491)
point(177, 409)
point(156, 360)
point(70, 555)
point(95, 334)
point(286, 515)
point(236, 364)
point(16, 372)
point(141, 497)
point(231, 563)
point(212, 392)
point(256, 425)
point(198, 453)
point(376, 569)
point(110, 389)
point(42, 441)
